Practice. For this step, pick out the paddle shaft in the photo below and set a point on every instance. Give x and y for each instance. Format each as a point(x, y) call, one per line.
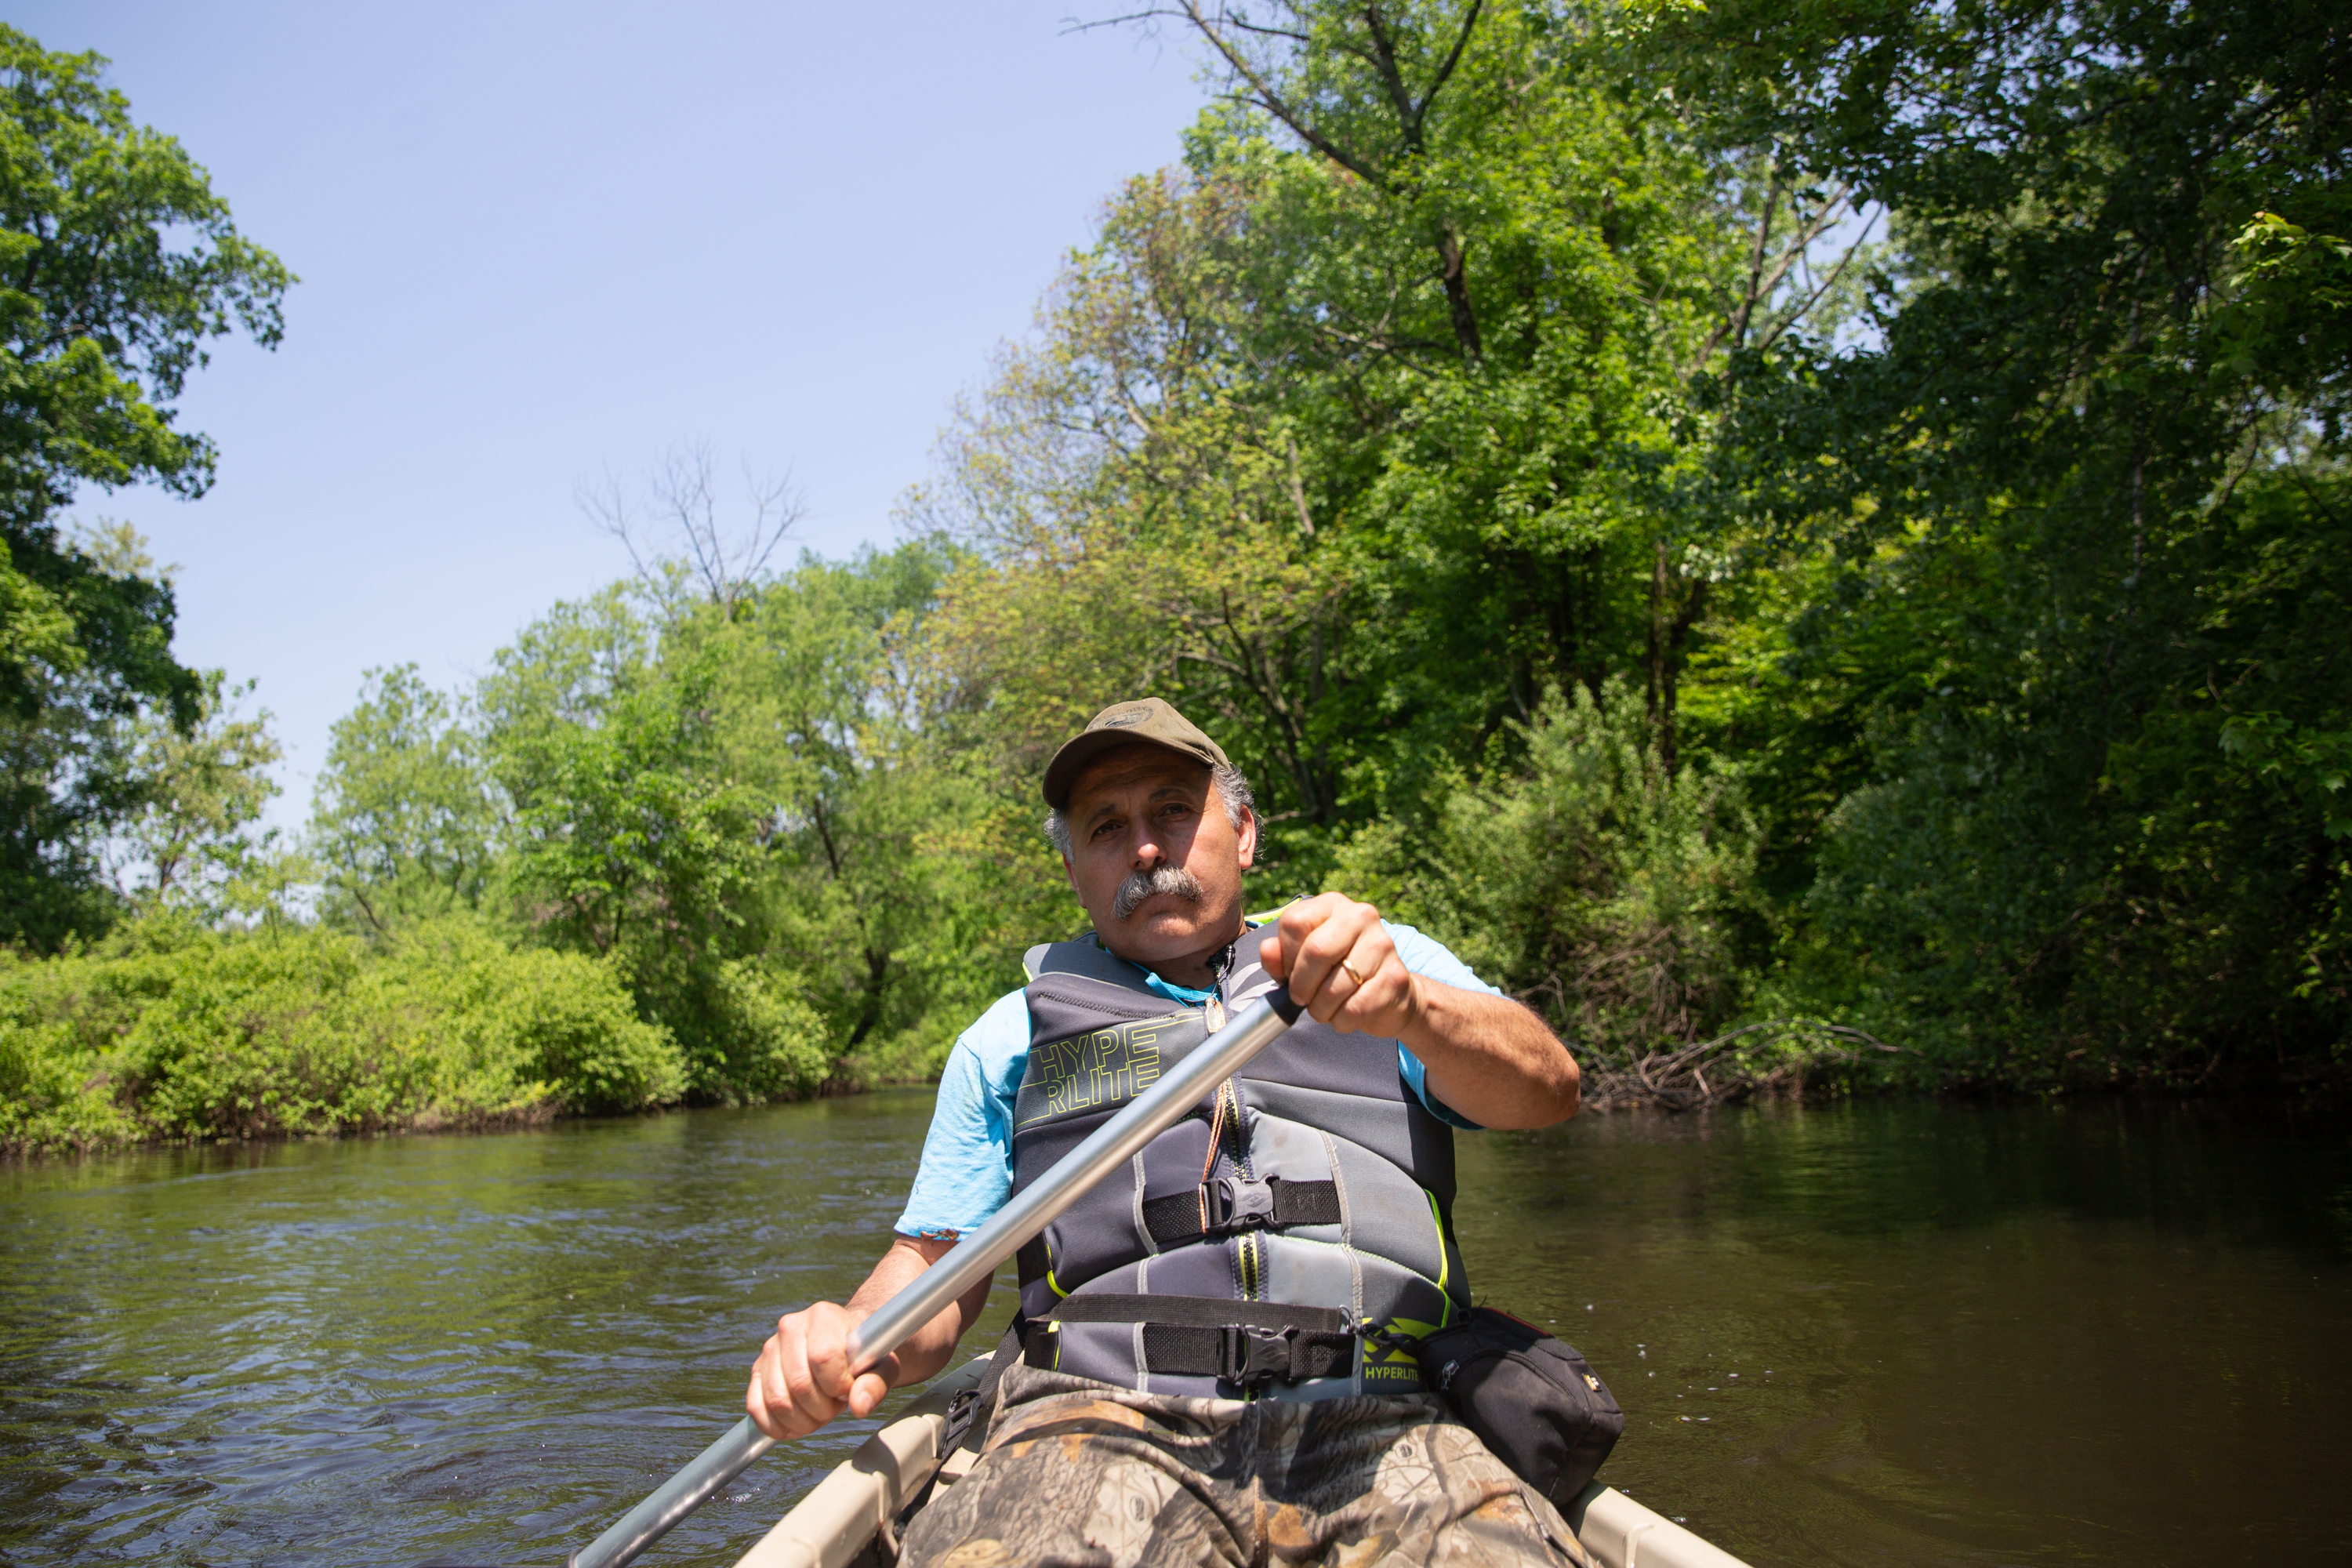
point(973, 1259)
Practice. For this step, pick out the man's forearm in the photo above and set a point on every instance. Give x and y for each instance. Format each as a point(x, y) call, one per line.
point(1490, 1059)
point(930, 1347)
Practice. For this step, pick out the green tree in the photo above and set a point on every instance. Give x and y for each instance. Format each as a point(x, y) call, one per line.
point(633, 840)
point(1548, 348)
point(67, 775)
point(120, 808)
point(834, 715)
point(190, 842)
point(626, 841)
point(117, 264)
point(2067, 644)
point(1722, 512)
point(1375, 420)
point(403, 820)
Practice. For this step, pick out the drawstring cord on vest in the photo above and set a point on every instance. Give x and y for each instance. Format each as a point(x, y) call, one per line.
point(1217, 1132)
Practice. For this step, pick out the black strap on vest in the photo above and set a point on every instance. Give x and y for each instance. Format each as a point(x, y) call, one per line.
point(1233, 1204)
point(1243, 1343)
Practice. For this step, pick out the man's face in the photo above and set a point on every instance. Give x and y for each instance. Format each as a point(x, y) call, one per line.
point(1153, 856)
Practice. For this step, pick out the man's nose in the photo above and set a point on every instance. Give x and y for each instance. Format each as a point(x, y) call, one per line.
point(1145, 852)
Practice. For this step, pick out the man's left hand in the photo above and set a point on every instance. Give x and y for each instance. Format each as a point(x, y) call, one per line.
point(1341, 966)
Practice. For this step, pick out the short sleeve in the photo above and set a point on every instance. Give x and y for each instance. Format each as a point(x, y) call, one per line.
point(966, 1173)
point(1425, 955)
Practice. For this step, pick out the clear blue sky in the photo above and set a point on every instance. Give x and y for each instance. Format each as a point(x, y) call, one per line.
point(537, 240)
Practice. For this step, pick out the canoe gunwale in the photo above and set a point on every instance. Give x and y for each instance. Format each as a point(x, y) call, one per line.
point(841, 1516)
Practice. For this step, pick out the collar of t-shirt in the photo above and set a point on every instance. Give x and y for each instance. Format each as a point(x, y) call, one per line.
point(1182, 995)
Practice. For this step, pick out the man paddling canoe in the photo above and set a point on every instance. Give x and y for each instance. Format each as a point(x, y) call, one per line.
point(1149, 1415)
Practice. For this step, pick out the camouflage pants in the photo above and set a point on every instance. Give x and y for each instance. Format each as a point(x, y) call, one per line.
point(1083, 1474)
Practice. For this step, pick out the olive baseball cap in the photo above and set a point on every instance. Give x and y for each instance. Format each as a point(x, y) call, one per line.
point(1149, 721)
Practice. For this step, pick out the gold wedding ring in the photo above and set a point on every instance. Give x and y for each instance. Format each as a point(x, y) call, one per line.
point(1359, 980)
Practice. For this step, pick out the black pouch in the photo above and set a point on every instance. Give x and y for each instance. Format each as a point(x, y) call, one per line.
point(1531, 1399)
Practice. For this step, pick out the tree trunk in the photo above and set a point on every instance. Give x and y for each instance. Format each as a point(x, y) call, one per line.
point(878, 970)
point(1670, 667)
point(1655, 688)
point(1457, 293)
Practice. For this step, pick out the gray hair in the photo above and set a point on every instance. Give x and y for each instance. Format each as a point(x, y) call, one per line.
point(1224, 777)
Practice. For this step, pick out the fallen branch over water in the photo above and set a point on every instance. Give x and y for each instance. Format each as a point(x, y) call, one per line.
point(1776, 1056)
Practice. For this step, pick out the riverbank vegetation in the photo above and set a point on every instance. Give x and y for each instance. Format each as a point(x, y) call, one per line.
point(1817, 528)
point(166, 1030)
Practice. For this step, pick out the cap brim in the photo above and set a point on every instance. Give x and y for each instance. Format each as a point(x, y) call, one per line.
point(1079, 750)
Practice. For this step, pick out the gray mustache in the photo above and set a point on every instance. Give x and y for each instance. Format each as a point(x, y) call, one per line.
point(1141, 885)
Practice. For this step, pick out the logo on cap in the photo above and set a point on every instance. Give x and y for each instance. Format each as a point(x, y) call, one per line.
point(1121, 720)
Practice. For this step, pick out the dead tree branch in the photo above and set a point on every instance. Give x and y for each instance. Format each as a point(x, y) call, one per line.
point(1675, 1078)
point(681, 523)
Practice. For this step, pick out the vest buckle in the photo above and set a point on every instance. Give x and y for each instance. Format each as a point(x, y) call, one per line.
point(1385, 1337)
point(1237, 1205)
point(1253, 1355)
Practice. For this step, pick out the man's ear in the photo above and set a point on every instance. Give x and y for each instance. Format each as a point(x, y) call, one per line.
point(1069, 873)
point(1249, 836)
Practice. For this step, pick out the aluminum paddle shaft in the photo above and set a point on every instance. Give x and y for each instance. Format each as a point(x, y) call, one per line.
point(977, 1256)
point(1118, 1141)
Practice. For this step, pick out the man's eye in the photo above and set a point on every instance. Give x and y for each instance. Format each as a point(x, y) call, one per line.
point(1105, 827)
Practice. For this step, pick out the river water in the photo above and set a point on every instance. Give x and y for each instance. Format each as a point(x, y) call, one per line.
point(1885, 1333)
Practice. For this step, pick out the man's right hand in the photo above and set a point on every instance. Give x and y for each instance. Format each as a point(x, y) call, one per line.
point(801, 1379)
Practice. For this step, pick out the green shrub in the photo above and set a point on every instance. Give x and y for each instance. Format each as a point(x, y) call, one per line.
point(559, 1021)
point(169, 1030)
point(777, 1046)
point(274, 1034)
point(53, 1096)
point(1586, 879)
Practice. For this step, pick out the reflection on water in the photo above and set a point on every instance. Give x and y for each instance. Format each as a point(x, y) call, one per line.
point(387, 1351)
point(1882, 1334)
point(1922, 1333)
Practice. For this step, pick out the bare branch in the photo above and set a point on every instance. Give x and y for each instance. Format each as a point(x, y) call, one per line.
point(1298, 490)
point(1755, 262)
point(1272, 103)
point(1384, 61)
point(1453, 58)
point(725, 562)
point(1798, 312)
point(1761, 285)
point(607, 504)
point(1797, 247)
point(1246, 26)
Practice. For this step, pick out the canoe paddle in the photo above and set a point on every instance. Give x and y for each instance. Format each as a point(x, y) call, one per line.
point(973, 1259)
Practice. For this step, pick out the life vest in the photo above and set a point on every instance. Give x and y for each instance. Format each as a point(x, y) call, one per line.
point(1295, 1257)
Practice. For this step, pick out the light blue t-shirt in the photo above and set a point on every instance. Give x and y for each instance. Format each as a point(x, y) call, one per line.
point(967, 1170)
